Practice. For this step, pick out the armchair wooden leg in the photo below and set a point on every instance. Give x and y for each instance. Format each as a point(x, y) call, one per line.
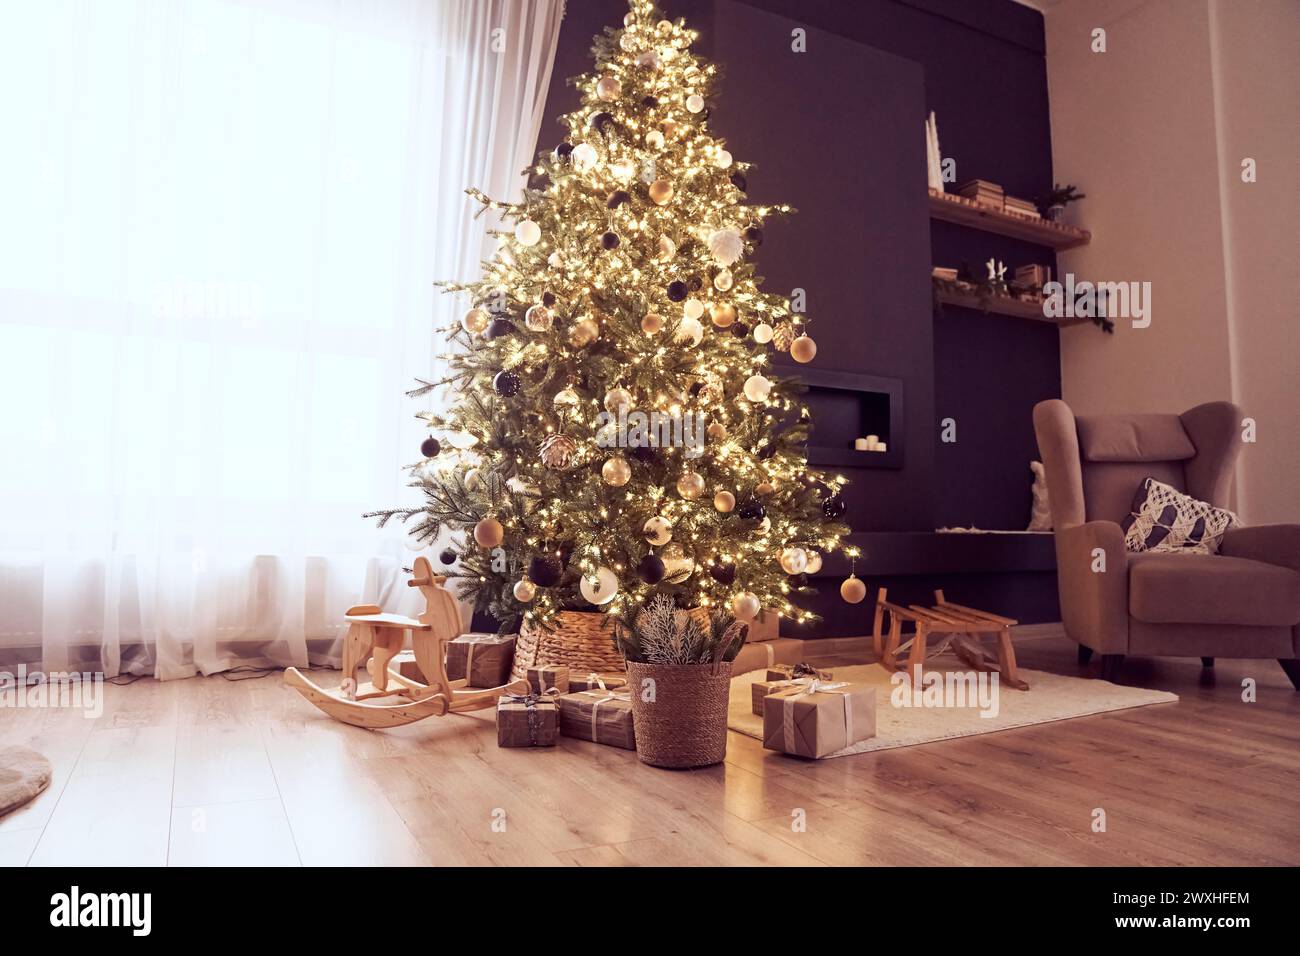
point(1085, 654)
point(1207, 661)
point(1292, 668)
point(1110, 666)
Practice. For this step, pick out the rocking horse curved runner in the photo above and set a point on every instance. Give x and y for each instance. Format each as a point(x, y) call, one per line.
point(375, 638)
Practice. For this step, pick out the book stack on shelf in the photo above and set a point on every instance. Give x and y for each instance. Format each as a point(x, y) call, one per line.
point(985, 194)
point(1021, 207)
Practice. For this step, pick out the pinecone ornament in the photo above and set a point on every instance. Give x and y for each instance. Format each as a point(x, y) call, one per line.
point(557, 451)
point(783, 335)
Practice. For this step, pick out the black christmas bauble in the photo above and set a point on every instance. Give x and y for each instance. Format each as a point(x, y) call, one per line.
point(563, 150)
point(447, 557)
point(646, 453)
point(506, 383)
point(740, 182)
point(695, 389)
point(430, 447)
point(799, 580)
point(651, 569)
point(618, 198)
point(500, 327)
point(649, 102)
point(548, 299)
point(722, 573)
point(739, 330)
point(833, 506)
point(600, 121)
point(695, 283)
point(677, 291)
point(545, 571)
point(610, 240)
point(754, 236)
point(752, 511)
point(765, 451)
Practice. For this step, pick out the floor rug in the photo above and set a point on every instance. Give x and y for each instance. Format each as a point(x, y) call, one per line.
point(1050, 697)
point(23, 774)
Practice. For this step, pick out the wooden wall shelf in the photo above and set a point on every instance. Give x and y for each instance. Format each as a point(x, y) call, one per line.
point(964, 212)
point(1004, 305)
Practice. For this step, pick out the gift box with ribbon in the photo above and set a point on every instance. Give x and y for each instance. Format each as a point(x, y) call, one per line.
point(484, 658)
point(527, 720)
point(793, 671)
point(761, 688)
point(602, 715)
point(817, 718)
point(544, 677)
point(594, 681)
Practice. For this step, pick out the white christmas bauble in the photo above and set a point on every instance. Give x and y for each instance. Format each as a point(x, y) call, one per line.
point(616, 471)
point(726, 246)
point(723, 159)
point(658, 530)
point(814, 562)
point(599, 588)
point(654, 139)
point(757, 388)
point(690, 485)
point(677, 566)
point(475, 321)
point(693, 308)
point(765, 525)
point(623, 170)
point(627, 43)
point(538, 318)
point(794, 560)
point(762, 333)
point(652, 323)
point(664, 27)
point(648, 60)
point(695, 103)
point(555, 260)
point(745, 606)
point(566, 396)
point(528, 233)
point(724, 280)
point(584, 157)
point(608, 88)
point(525, 591)
point(667, 248)
point(617, 398)
point(690, 331)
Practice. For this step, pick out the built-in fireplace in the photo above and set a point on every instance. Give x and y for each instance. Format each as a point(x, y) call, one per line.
point(857, 419)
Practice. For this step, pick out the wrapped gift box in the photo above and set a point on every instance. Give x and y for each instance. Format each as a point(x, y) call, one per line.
point(527, 720)
point(813, 720)
point(594, 681)
point(484, 658)
point(604, 716)
point(761, 688)
point(793, 671)
point(544, 677)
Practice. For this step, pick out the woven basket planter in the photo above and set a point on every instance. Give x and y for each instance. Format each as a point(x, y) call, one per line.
point(579, 640)
point(685, 725)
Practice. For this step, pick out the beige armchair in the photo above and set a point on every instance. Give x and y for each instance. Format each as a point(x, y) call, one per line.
point(1242, 602)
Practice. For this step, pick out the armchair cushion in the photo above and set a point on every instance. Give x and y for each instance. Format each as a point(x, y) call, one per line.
point(1173, 588)
point(1164, 519)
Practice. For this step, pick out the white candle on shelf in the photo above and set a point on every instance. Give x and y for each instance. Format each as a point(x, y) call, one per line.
point(880, 446)
point(862, 444)
point(872, 442)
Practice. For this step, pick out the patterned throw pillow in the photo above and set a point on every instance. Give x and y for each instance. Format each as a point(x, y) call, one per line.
point(1165, 519)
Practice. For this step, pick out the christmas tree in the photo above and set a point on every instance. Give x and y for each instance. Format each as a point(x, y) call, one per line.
point(617, 433)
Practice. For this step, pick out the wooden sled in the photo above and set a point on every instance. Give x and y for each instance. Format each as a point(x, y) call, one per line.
point(374, 639)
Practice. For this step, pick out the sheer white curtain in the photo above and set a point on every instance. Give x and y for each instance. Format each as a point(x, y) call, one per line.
point(220, 229)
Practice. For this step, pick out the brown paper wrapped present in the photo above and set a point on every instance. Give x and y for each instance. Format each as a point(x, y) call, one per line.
point(813, 720)
point(594, 681)
point(604, 716)
point(795, 671)
point(761, 688)
point(527, 720)
point(485, 658)
point(544, 677)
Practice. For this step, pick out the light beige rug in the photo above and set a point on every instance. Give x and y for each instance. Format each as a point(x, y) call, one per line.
point(1050, 697)
point(23, 774)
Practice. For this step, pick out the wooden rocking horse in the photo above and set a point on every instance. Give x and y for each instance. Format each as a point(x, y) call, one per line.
point(374, 638)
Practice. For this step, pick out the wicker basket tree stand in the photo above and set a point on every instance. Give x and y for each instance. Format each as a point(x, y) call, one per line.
point(580, 639)
point(679, 712)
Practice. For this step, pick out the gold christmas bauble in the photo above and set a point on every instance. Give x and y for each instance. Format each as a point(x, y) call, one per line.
point(525, 591)
point(764, 488)
point(745, 606)
point(724, 501)
point(814, 562)
point(658, 530)
point(617, 398)
point(661, 192)
point(488, 533)
point(803, 349)
point(652, 323)
point(475, 321)
point(538, 318)
point(853, 590)
point(723, 315)
point(724, 280)
point(583, 333)
point(608, 88)
point(648, 60)
point(667, 248)
point(716, 430)
point(690, 485)
point(566, 396)
point(616, 472)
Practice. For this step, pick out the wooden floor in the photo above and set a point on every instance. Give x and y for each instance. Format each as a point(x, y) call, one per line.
point(212, 772)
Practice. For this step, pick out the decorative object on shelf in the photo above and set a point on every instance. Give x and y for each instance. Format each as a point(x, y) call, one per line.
point(527, 720)
point(948, 207)
point(543, 678)
point(1054, 202)
point(984, 193)
point(818, 718)
point(1040, 512)
point(933, 158)
point(1021, 207)
point(997, 278)
point(679, 669)
point(481, 660)
point(599, 714)
point(375, 639)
